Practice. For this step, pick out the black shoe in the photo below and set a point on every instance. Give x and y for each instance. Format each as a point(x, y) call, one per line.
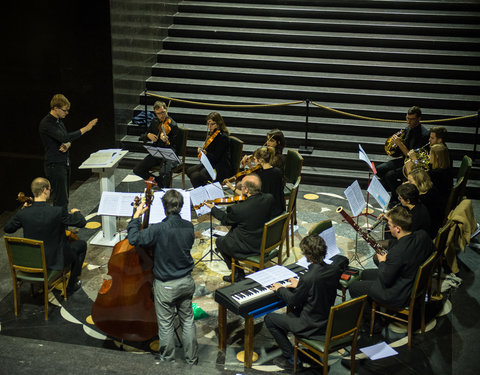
point(239, 276)
point(283, 362)
point(72, 288)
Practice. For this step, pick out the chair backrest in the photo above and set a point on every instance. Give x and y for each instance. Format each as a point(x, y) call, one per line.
point(236, 148)
point(293, 195)
point(440, 240)
point(320, 227)
point(274, 232)
point(344, 320)
point(181, 143)
point(293, 166)
point(422, 280)
point(465, 168)
point(25, 254)
point(455, 196)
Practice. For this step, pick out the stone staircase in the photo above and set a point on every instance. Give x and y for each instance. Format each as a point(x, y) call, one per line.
point(375, 59)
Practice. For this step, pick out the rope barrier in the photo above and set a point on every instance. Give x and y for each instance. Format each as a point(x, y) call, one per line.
point(299, 102)
point(226, 105)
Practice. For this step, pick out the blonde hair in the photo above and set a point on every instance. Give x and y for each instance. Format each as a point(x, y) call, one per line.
point(439, 156)
point(38, 185)
point(264, 153)
point(159, 104)
point(59, 101)
point(422, 180)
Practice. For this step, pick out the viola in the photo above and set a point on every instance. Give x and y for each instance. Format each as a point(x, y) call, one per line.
point(22, 198)
point(124, 307)
point(165, 129)
point(208, 141)
point(227, 200)
point(242, 174)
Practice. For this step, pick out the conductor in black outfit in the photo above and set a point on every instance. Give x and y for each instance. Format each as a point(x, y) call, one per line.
point(57, 142)
point(46, 223)
point(310, 297)
point(246, 219)
point(392, 282)
point(156, 135)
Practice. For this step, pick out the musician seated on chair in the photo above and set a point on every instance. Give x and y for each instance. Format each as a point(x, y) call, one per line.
point(46, 223)
point(392, 282)
point(247, 220)
point(416, 136)
point(162, 132)
point(173, 287)
point(310, 298)
point(271, 177)
point(276, 140)
point(409, 197)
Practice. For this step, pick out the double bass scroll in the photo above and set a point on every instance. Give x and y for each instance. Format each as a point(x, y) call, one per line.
point(369, 239)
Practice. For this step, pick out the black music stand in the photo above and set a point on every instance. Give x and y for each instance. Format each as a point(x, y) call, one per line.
point(211, 251)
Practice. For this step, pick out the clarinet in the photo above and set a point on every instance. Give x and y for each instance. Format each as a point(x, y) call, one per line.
point(370, 240)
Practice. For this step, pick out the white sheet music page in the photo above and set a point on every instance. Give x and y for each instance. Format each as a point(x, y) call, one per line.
point(362, 155)
point(208, 166)
point(330, 239)
point(205, 193)
point(157, 213)
point(355, 198)
point(271, 275)
point(114, 203)
point(377, 190)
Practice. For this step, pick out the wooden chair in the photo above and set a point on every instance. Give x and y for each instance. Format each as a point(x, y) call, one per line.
point(457, 193)
point(419, 291)
point(440, 242)
point(293, 170)
point(274, 233)
point(342, 330)
point(291, 205)
point(236, 149)
point(27, 263)
point(356, 275)
point(181, 151)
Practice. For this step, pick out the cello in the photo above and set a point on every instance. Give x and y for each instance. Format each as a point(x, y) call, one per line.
point(124, 307)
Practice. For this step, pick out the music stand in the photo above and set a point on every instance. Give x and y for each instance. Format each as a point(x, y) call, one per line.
point(357, 204)
point(167, 154)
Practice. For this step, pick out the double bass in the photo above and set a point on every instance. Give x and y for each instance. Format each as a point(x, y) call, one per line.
point(124, 307)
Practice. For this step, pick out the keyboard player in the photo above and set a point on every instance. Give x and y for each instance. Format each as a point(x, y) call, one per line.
point(310, 298)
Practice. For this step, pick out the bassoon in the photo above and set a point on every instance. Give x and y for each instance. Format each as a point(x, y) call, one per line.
point(370, 240)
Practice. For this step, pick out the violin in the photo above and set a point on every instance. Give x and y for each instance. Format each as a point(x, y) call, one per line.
point(22, 198)
point(208, 141)
point(242, 174)
point(227, 200)
point(165, 129)
point(124, 307)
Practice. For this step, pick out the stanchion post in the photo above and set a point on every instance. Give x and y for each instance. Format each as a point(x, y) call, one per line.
point(305, 149)
point(476, 162)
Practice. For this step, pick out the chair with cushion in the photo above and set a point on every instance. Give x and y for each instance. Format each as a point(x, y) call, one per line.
point(274, 233)
point(181, 150)
point(419, 291)
point(293, 170)
point(342, 330)
point(291, 205)
point(440, 242)
point(27, 263)
point(457, 193)
point(350, 274)
point(236, 149)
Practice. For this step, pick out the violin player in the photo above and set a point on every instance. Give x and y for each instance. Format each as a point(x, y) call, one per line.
point(162, 132)
point(416, 135)
point(217, 150)
point(246, 219)
point(46, 223)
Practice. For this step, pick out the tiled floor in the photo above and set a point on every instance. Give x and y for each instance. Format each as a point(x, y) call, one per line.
point(445, 349)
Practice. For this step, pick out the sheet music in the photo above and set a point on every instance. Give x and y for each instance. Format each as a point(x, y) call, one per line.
point(362, 155)
point(162, 152)
point(271, 275)
point(102, 157)
point(157, 213)
point(379, 351)
point(377, 190)
point(205, 193)
point(116, 204)
point(208, 166)
point(330, 239)
point(355, 198)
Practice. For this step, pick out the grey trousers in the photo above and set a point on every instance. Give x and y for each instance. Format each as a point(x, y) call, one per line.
point(171, 298)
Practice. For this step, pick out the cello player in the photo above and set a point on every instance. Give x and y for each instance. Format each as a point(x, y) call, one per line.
point(172, 240)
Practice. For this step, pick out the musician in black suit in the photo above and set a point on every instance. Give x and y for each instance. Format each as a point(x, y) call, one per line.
point(246, 219)
point(157, 134)
point(46, 223)
point(409, 197)
point(57, 141)
point(310, 296)
point(416, 136)
point(392, 282)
